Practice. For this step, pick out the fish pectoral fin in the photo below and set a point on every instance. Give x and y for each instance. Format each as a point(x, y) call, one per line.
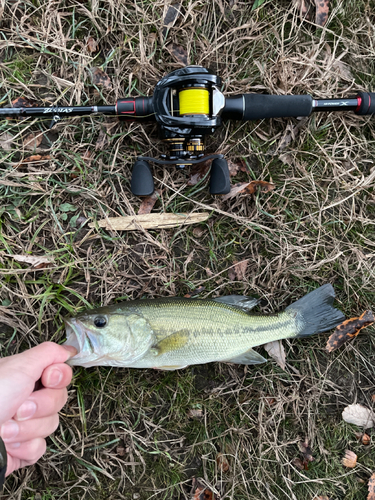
point(242, 301)
point(171, 343)
point(249, 357)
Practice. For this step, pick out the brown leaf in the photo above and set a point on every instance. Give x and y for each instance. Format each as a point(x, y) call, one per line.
point(276, 350)
point(322, 10)
point(193, 413)
point(120, 450)
point(195, 292)
point(6, 141)
point(178, 53)
point(321, 497)
point(32, 141)
point(297, 462)
point(197, 172)
point(150, 221)
point(234, 168)
point(92, 46)
point(306, 450)
point(363, 437)
point(171, 16)
point(222, 463)
point(240, 269)
point(371, 487)
point(148, 202)
point(350, 459)
point(99, 77)
point(33, 158)
point(201, 492)
point(37, 262)
point(23, 102)
point(348, 329)
point(102, 141)
point(249, 188)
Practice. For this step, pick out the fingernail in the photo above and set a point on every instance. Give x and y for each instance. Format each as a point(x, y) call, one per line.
point(9, 430)
point(72, 350)
point(26, 410)
point(54, 377)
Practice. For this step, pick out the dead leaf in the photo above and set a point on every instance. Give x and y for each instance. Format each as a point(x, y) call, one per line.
point(150, 221)
point(92, 46)
point(234, 168)
point(36, 262)
point(192, 413)
point(148, 202)
point(33, 158)
point(201, 492)
point(322, 10)
point(363, 437)
point(23, 102)
point(99, 77)
point(195, 292)
point(348, 329)
point(321, 497)
point(306, 450)
point(6, 141)
point(276, 350)
point(297, 462)
point(359, 415)
point(171, 17)
point(249, 188)
point(343, 70)
point(350, 459)
point(240, 269)
point(120, 450)
point(222, 463)
point(33, 141)
point(102, 141)
point(197, 172)
point(371, 487)
point(178, 53)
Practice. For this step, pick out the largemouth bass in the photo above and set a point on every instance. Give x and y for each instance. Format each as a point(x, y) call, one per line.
point(173, 333)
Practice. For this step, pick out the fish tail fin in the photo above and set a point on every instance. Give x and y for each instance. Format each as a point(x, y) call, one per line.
point(314, 313)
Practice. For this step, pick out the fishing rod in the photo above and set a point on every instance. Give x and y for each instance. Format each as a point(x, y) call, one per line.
point(187, 106)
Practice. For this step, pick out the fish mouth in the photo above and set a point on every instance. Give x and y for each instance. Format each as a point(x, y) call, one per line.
point(76, 337)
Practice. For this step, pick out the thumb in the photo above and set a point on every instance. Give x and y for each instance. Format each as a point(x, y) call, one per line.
point(19, 373)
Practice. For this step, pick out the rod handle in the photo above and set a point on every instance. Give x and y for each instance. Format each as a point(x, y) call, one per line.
point(259, 106)
point(367, 103)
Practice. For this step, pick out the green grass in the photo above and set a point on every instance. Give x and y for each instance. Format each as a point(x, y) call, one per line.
point(130, 433)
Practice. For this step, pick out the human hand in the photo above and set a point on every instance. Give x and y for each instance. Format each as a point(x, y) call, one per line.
point(27, 417)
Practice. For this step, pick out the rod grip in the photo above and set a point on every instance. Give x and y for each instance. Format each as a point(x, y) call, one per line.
point(257, 106)
point(367, 105)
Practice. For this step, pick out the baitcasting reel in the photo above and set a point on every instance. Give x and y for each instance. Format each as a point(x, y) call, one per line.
point(188, 105)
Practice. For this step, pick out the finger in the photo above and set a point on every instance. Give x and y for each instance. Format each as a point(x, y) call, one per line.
point(19, 373)
point(57, 376)
point(41, 404)
point(26, 454)
point(20, 432)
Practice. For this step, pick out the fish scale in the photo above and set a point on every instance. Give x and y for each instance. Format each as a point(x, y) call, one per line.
point(173, 333)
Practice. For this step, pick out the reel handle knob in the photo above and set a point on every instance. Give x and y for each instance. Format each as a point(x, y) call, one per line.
point(220, 178)
point(142, 182)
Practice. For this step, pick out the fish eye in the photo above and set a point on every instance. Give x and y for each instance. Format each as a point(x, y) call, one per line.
point(100, 321)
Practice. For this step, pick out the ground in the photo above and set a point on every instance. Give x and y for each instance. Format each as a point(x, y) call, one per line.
point(141, 434)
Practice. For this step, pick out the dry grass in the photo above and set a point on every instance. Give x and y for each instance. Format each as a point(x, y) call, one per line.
point(130, 433)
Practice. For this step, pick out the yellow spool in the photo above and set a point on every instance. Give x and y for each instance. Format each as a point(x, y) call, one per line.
point(194, 101)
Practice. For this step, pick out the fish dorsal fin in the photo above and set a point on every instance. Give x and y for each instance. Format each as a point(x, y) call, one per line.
point(249, 357)
point(171, 343)
point(242, 301)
